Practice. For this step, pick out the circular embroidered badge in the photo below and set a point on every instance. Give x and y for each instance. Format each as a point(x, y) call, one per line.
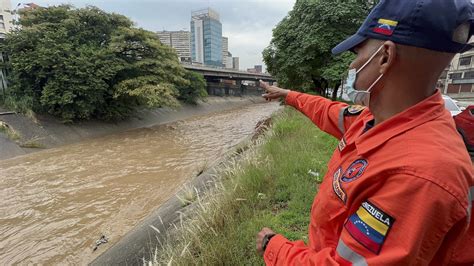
point(355, 170)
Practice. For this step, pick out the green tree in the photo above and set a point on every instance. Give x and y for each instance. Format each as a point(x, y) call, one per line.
point(335, 71)
point(86, 63)
point(195, 90)
point(299, 55)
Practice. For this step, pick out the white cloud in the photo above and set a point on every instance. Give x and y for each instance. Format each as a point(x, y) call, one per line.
point(249, 46)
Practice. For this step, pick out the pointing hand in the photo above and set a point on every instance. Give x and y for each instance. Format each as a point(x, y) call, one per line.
point(272, 92)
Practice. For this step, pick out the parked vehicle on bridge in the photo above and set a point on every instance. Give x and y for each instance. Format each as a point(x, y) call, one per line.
point(465, 125)
point(451, 105)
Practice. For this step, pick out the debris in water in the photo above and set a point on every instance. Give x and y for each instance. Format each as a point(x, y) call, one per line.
point(311, 172)
point(101, 241)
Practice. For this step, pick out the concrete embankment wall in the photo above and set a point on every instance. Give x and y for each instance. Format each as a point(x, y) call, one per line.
point(48, 132)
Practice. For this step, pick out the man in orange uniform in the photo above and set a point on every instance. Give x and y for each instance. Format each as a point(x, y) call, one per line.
point(399, 187)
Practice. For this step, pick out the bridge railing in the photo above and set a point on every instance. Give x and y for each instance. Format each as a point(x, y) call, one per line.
point(223, 89)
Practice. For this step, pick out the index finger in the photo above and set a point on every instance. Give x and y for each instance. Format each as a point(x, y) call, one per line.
point(263, 84)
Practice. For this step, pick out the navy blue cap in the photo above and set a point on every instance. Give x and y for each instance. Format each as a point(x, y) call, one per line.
point(429, 24)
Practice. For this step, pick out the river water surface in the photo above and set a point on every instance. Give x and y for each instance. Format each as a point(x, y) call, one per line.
point(56, 203)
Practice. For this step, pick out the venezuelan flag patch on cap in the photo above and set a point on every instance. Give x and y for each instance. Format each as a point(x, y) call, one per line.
point(369, 226)
point(386, 27)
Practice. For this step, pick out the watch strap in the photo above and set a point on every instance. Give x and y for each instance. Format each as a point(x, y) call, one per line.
point(266, 240)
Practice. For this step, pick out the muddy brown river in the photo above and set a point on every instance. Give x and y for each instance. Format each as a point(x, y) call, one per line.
point(56, 203)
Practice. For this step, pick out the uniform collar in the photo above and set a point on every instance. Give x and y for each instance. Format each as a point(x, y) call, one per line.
point(426, 110)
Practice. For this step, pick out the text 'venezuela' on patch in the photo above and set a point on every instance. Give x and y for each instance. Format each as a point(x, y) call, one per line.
point(369, 226)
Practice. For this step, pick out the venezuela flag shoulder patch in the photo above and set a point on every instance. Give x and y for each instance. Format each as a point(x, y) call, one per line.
point(369, 226)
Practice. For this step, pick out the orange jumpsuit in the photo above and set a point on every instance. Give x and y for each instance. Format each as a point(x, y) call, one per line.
point(399, 193)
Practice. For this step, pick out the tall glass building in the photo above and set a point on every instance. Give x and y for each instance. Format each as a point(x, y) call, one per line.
point(206, 38)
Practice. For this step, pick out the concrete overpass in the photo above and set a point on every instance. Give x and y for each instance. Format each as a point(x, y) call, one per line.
point(216, 85)
point(214, 74)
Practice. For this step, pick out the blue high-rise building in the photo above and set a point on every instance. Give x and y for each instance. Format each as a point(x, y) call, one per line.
point(206, 38)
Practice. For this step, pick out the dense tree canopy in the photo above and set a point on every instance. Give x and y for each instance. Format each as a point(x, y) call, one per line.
point(196, 89)
point(299, 55)
point(86, 63)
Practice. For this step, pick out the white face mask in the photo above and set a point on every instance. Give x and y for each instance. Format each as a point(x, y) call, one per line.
point(361, 97)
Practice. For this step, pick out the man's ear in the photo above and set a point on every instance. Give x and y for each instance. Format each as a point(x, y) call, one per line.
point(389, 53)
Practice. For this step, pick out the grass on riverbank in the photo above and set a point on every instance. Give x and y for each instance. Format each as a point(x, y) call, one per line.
point(9, 132)
point(273, 186)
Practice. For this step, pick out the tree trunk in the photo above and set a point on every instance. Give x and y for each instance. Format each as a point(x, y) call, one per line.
point(342, 91)
point(317, 85)
point(335, 90)
point(324, 84)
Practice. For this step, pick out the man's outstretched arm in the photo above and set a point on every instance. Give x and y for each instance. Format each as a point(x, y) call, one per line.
point(330, 116)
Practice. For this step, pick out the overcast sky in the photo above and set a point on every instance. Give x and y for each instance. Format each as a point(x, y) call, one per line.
point(247, 23)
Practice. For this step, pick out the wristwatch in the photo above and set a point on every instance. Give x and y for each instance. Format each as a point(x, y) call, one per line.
point(266, 240)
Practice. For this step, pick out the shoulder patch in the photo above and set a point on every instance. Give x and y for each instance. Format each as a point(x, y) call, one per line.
point(342, 144)
point(352, 110)
point(369, 226)
point(336, 186)
point(355, 170)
